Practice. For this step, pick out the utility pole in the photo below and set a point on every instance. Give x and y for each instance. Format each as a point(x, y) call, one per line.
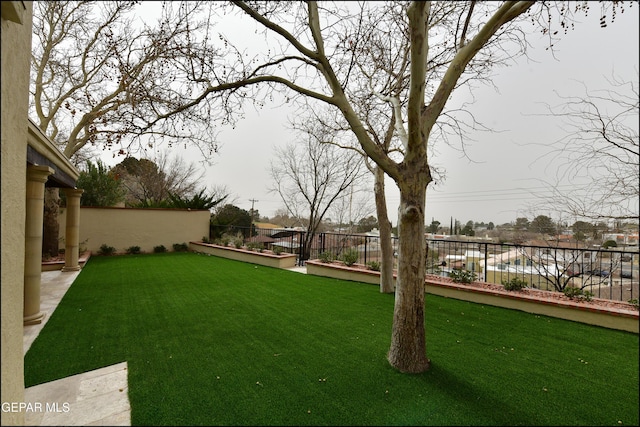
point(252, 214)
point(252, 202)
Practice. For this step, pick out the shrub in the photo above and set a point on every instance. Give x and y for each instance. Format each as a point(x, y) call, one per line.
point(238, 240)
point(133, 250)
point(373, 265)
point(515, 284)
point(205, 239)
point(180, 247)
point(277, 250)
point(255, 246)
point(83, 246)
point(326, 257)
point(106, 250)
point(350, 256)
point(634, 302)
point(159, 249)
point(462, 276)
point(572, 292)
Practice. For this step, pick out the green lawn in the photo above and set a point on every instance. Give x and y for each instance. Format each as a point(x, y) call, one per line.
point(211, 341)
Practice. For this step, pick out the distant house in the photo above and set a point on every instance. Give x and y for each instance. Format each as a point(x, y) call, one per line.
point(266, 225)
point(622, 239)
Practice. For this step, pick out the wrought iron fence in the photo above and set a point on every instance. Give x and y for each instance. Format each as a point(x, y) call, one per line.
point(605, 273)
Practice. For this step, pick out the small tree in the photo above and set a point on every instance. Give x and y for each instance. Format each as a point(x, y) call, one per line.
point(467, 230)
point(544, 225)
point(101, 186)
point(229, 219)
point(309, 178)
point(367, 224)
point(433, 227)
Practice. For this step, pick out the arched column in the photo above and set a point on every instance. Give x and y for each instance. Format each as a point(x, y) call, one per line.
point(36, 178)
point(72, 232)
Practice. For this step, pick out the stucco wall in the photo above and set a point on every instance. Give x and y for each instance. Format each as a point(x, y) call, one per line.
point(147, 228)
point(16, 48)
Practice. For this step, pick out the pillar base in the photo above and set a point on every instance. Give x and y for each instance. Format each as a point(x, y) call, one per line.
point(65, 268)
point(34, 319)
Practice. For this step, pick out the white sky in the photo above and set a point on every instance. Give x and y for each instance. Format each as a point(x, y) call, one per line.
point(498, 185)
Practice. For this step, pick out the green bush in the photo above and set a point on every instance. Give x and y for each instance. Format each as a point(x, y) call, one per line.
point(238, 240)
point(255, 246)
point(572, 292)
point(350, 256)
point(180, 247)
point(373, 265)
point(133, 250)
point(277, 250)
point(515, 284)
point(634, 302)
point(462, 276)
point(106, 250)
point(159, 249)
point(326, 257)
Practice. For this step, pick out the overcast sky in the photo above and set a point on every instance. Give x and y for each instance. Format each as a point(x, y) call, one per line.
point(506, 170)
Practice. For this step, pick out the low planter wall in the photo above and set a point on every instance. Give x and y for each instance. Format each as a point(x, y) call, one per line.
point(626, 319)
point(57, 264)
point(268, 259)
point(337, 271)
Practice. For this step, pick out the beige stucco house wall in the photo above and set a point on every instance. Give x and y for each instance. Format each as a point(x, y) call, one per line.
point(122, 228)
point(30, 163)
point(16, 48)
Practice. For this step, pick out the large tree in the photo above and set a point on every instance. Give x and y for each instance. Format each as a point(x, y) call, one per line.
point(315, 54)
point(101, 80)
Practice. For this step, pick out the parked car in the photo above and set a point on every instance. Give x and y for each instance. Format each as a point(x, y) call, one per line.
point(626, 274)
point(601, 273)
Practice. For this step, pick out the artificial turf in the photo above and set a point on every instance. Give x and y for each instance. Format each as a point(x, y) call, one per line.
point(212, 341)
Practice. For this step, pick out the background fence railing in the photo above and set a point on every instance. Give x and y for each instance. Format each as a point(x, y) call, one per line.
point(605, 273)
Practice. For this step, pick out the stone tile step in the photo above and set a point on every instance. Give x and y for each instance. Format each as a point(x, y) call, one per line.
point(98, 397)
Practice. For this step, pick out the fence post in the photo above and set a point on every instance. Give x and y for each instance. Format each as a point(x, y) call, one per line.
point(366, 240)
point(486, 261)
point(300, 248)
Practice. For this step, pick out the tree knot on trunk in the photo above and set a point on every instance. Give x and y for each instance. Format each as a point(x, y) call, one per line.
point(411, 212)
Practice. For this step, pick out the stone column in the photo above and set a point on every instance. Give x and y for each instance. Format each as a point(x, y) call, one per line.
point(36, 178)
point(72, 232)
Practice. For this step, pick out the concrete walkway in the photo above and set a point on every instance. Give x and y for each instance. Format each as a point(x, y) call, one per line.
point(94, 398)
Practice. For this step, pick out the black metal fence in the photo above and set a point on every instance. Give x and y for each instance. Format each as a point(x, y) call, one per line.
point(605, 273)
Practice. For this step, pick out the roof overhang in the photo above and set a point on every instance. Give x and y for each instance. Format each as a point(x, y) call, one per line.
point(41, 151)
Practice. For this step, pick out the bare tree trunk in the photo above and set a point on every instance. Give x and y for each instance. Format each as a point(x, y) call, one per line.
point(408, 342)
point(51, 228)
point(386, 246)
